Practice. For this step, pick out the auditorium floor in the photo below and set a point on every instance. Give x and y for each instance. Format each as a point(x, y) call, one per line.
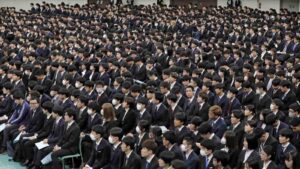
point(5, 164)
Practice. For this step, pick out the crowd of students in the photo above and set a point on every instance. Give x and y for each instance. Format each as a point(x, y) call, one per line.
point(147, 87)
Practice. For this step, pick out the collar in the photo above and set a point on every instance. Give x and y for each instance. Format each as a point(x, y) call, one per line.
point(287, 92)
point(116, 145)
point(142, 112)
point(128, 155)
point(285, 145)
point(171, 147)
point(150, 158)
point(277, 127)
point(70, 123)
point(215, 121)
point(211, 136)
point(266, 164)
point(235, 126)
point(65, 100)
point(98, 142)
point(117, 106)
point(93, 115)
point(58, 120)
point(180, 128)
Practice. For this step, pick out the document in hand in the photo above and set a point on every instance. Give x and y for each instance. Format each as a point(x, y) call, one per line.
point(47, 159)
point(41, 145)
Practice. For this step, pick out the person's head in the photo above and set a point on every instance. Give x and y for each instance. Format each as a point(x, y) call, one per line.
point(148, 148)
point(57, 111)
point(116, 134)
point(142, 127)
point(97, 132)
point(165, 158)
point(117, 99)
point(187, 144)
point(294, 110)
point(189, 91)
point(262, 134)
point(249, 110)
point(250, 142)
point(164, 87)
point(128, 103)
point(18, 97)
point(135, 90)
point(214, 112)
point(155, 132)
point(178, 164)
point(220, 158)
point(47, 107)
point(219, 89)
point(205, 130)
point(108, 111)
point(250, 126)
point(93, 107)
point(276, 104)
point(7, 87)
point(82, 101)
point(272, 120)
point(207, 147)
point(285, 85)
point(285, 135)
point(128, 144)
point(266, 153)
point(179, 119)
point(34, 103)
point(202, 98)
point(232, 92)
point(158, 98)
point(194, 123)
point(169, 138)
point(236, 116)
point(229, 140)
point(70, 115)
point(141, 104)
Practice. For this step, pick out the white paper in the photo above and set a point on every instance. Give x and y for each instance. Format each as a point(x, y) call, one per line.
point(47, 159)
point(26, 138)
point(2, 127)
point(17, 138)
point(41, 145)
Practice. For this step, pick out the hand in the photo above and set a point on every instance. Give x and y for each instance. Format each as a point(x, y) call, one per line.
point(82, 134)
point(45, 141)
point(31, 138)
point(56, 148)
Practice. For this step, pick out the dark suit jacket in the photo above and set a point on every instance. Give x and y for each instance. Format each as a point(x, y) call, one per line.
point(275, 93)
point(128, 122)
point(223, 103)
point(91, 122)
point(272, 165)
point(35, 122)
point(248, 98)
point(67, 104)
point(140, 73)
point(82, 119)
point(282, 125)
point(280, 154)
point(116, 157)
point(232, 105)
point(239, 132)
point(101, 99)
point(119, 111)
point(104, 77)
point(57, 132)
point(146, 116)
point(253, 159)
point(272, 142)
point(181, 134)
point(219, 127)
point(202, 111)
point(100, 156)
point(263, 103)
point(202, 162)
point(192, 162)
point(20, 86)
point(152, 165)
point(178, 153)
point(107, 125)
point(6, 106)
point(288, 100)
point(189, 107)
point(133, 162)
point(160, 116)
point(70, 138)
point(46, 129)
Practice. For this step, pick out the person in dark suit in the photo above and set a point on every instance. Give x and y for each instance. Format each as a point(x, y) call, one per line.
point(191, 101)
point(221, 158)
point(297, 85)
point(69, 142)
point(276, 124)
point(276, 107)
point(53, 138)
point(83, 116)
point(174, 107)
point(128, 118)
point(202, 106)
point(206, 154)
point(237, 126)
point(150, 161)
point(116, 154)
point(109, 118)
point(190, 157)
point(140, 70)
point(275, 91)
point(249, 95)
point(65, 100)
point(249, 155)
point(103, 75)
point(262, 100)
point(24, 151)
point(93, 119)
point(7, 102)
point(206, 88)
point(284, 147)
point(160, 114)
point(18, 83)
point(142, 130)
point(169, 142)
point(221, 98)
point(288, 96)
point(233, 103)
point(206, 132)
point(266, 158)
point(101, 153)
point(180, 129)
point(217, 122)
point(130, 159)
point(265, 138)
point(117, 102)
point(142, 113)
point(93, 74)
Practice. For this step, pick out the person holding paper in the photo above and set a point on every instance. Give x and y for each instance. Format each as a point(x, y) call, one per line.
point(36, 121)
point(100, 156)
point(69, 143)
point(54, 136)
point(18, 118)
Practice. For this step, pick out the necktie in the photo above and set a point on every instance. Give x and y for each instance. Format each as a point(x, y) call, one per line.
point(147, 165)
point(206, 163)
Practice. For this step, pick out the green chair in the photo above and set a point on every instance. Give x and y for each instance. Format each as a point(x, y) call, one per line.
point(62, 159)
